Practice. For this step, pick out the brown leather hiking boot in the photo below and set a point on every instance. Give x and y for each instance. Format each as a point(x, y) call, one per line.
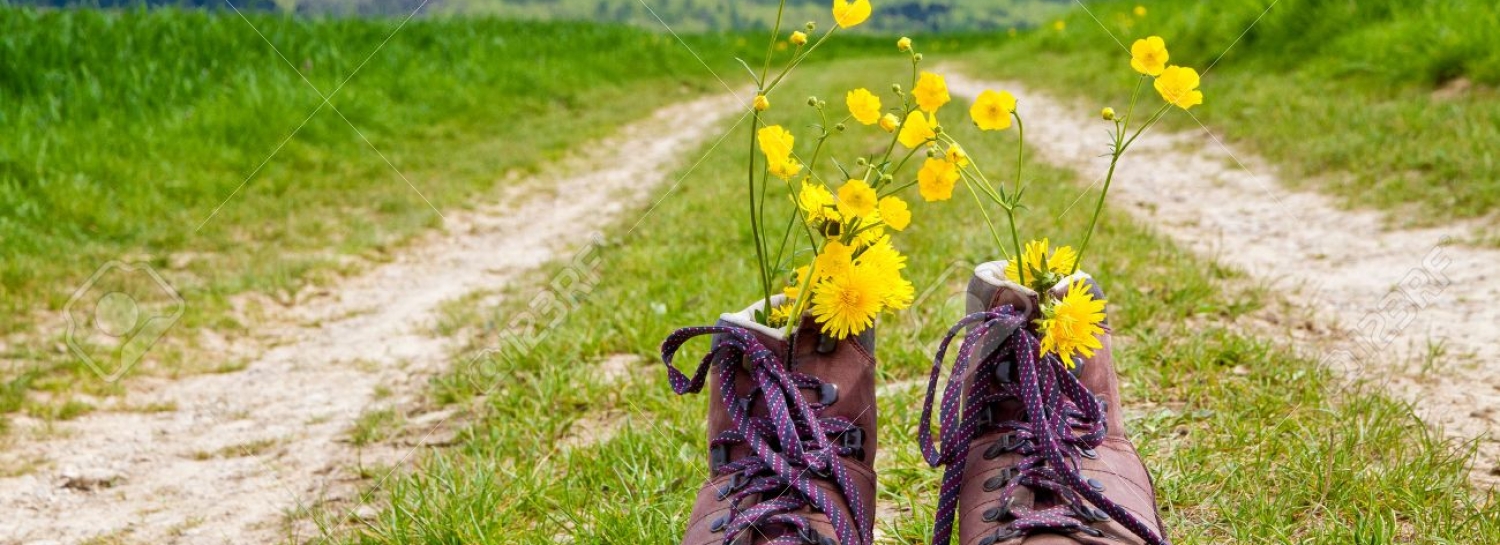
point(791, 429)
point(1034, 453)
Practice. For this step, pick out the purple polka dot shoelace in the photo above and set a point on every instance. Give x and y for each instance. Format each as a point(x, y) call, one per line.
point(790, 447)
point(1063, 421)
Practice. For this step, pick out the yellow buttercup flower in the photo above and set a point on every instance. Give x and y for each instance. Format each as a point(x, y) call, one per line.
point(762, 103)
point(1059, 261)
point(1059, 25)
point(815, 201)
point(1149, 55)
point(846, 304)
point(798, 38)
point(1178, 86)
point(991, 110)
point(848, 13)
point(895, 213)
point(785, 168)
point(1140, 11)
point(1107, 113)
point(957, 156)
point(903, 44)
point(780, 315)
point(863, 105)
point(775, 142)
point(917, 130)
point(931, 92)
point(889, 122)
point(935, 180)
point(1072, 324)
point(834, 260)
point(856, 198)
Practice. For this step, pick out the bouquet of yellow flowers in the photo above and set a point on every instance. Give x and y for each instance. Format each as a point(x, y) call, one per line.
point(851, 270)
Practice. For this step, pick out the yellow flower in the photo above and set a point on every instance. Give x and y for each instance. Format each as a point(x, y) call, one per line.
point(834, 260)
point(1107, 113)
point(846, 304)
point(1140, 11)
point(814, 199)
point(762, 103)
point(798, 38)
point(931, 92)
point(899, 294)
point(786, 168)
point(856, 198)
point(780, 315)
point(848, 13)
point(889, 122)
point(991, 110)
point(869, 235)
point(935, 180)
point(903, 44)
point(1072, 324)
point(957, 156)
point(917, 130)
point(895, 213)
point(1178, 86)
point(1149, 55)
point(863, 105)
point(776, 143)
point(1059, 25)
point(883, 258)
point(1059, 261)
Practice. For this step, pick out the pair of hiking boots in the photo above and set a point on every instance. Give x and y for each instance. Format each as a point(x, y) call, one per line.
point(1033, 452)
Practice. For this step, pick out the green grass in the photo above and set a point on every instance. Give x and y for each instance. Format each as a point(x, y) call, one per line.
point(127, 130)
point(1340, 95)
point(1249, 443)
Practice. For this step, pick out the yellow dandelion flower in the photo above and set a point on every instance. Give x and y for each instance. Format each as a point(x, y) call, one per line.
point(931, 92)
point(935, 180)
point(815, 201)
point(903, 44)
point(1059, 261)
point(1149, 55)
point(863, 105)
point(1178, 86)
point(798, 38)
point(895, 213)
point(991, 110)
point(848, 13)
point(785, 169)
point(869, 235)
point(889, 122)
point(762, 103)
point(899, 294)
point(957, 156)
point(775, 142)
point(883, 258)
point(1072, 324)
point(846, 304)
point(834, 260)
point(917, 130)
point(856, 198)
point(780, 315)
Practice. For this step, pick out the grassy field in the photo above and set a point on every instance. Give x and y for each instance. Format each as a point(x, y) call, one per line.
point(183, 140)
point(1383, 103)
point(1249, 444)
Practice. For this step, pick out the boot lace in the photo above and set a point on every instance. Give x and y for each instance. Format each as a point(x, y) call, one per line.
point(791, 447)
point(1062, 421)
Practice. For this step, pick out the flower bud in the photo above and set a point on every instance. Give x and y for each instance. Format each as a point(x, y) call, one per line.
point(762, 103)
point(798, 39)
point(931, 152)
point(885, 179)
point(822, 103)
point(810, 26)
point(896, 88)
point(812, 101)
point(859, 162)
point(937, 129)
point(1107, 113)
point(889, 122)
point(903, 44)
point(917, 57)
point(839, 127)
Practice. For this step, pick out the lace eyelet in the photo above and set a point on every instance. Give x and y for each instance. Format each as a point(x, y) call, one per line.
point(718, 524)
point(1095, 484)
point(828, 393)
point(1089, 453)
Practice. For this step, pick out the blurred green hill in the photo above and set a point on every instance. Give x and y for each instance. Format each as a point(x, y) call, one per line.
point(900, 16)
